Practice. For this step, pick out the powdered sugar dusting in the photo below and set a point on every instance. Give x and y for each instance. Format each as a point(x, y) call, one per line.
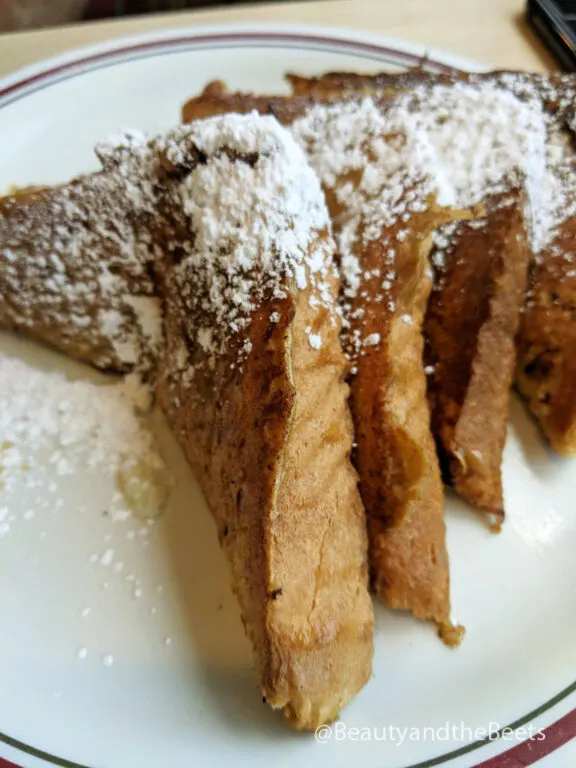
point(381, 162)
point(259, 221)
point(528, 117)
point(372, 339)
point(476, 135)
point(80, 468)
point(460, 142)
point(231, 199)
point(74, 257)
point(374, 169)
point(314, 339)
point(521, 122)
point(480, 135)
point(560, 183)
point(79, 425)
point(366, 156)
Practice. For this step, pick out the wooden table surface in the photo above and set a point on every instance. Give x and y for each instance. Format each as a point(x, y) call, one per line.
point(490, 31)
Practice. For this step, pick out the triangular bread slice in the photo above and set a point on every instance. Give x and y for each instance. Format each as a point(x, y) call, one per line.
point(546, 370)
point(470, 335)
point(252, 382)
point(76, 267)
point(546, 343)
point(395, 454)
point(473, 314)
point(251, 375)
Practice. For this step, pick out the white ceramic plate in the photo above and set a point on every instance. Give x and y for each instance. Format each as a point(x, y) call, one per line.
point(194, 701)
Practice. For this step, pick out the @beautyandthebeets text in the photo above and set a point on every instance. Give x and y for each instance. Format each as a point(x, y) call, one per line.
point(399, 735)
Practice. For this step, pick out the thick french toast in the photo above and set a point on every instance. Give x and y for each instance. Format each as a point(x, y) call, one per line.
point(252, 382)
point(480, 270)
point(336, 86)
point(544, 374)
point(76, 269)
point(549, 99)
point(546, 370)
point(216, 99)
point(554, 91)
point(384, 212)
point(250, 372)
point(383, 218)
point(395, 454)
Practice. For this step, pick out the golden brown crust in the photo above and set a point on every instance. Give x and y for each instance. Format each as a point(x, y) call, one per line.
point(216, 99)
point(334, 630)
point(399, 474)
point(335, 86)
point(546, 369)
point(396, 457)
point(471, 324)
point(265, 424)
point(270, 446)
point(556, 90)
point(545, 348)
point(64, 278)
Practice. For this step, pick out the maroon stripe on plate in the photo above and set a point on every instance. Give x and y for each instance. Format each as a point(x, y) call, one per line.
point(239, 37)
point(530, 751)
point(520, 756)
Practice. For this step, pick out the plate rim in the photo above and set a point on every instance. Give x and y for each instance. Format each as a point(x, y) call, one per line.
point(559, 732)
point(76, 62)
point(413, 53)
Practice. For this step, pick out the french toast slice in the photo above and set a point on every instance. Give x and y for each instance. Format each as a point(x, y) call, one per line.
point(76, 269)
point(216, 99)
point(546, 372)
point(383, 259)
point(545, 347)
point(384, 213)
point(480, 271)
point(469, 413)
point(545, 344)
point(546, 369)
point(395, 455)
point(253, 383)
point(250, 374)
point(336, 86)
point(554, 90)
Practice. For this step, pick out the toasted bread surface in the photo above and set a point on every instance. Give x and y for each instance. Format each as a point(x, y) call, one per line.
point(546, 369)
point(252, 382)
point(250, 370)
point(471, 323)
point(395, 454)
point(76, 270)
point(270, 446)
point(545, 330)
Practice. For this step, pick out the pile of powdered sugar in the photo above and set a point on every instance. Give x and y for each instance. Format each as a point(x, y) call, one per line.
point(75, 454)
point(480, 134)
point(477, 136)
point(259, 222)
point(46, 419)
